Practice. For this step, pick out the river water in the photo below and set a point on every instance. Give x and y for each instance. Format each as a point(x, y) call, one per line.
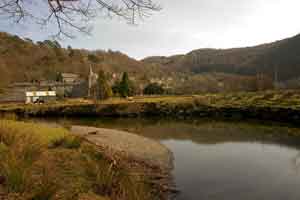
point(222, 160)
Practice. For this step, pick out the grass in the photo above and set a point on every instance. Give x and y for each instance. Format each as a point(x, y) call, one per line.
point(279, 98)
point(42, 163)
point(43, 133)
point(266, 105)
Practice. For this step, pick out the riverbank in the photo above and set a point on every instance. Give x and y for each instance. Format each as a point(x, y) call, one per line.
point(283, 106)
point(211, 157)
point(41, 162)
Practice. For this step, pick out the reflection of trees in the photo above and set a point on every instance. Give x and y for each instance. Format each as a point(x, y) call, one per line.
point(198, 131)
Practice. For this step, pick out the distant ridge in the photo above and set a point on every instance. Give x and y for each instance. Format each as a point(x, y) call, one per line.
point(281, 57)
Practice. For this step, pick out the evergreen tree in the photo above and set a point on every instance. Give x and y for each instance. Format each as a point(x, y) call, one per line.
point(132, 88)
point(104, 88)
point(124, 85)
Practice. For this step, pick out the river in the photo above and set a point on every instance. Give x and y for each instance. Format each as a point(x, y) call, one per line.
point(215, 160)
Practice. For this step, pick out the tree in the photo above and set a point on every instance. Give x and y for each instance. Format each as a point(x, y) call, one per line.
point(68, 15)
point(117, 88)
point(71, 51)
point(52, 44)
point(124, 85)
point(93, 58)
point(104, 88)
point(133, 88)
point(59, 77)
point(153, 88)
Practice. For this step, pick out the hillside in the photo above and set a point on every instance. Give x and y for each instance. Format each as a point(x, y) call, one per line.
point(23, 60)
point(200, 71)
point(281, 57)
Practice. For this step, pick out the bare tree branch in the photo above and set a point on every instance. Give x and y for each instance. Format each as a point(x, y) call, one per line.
point(69, 15)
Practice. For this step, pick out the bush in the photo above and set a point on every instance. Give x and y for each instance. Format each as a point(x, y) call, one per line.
point(68, 142)
point(153, 89)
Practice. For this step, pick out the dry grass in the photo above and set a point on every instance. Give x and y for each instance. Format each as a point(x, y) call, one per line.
point(276, 98)
point(42, 163)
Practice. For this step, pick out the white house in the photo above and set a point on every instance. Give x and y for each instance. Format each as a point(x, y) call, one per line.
point(39, 96)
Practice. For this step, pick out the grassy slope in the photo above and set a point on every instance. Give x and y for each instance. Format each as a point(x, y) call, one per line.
point(41, 163)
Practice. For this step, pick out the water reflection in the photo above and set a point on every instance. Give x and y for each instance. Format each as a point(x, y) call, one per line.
point(235, 171)
point(296, 162)
point(221, 160)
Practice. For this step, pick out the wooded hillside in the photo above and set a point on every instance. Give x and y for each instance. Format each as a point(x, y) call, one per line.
point(23, 60)
point(200, 71)
point(281, 57)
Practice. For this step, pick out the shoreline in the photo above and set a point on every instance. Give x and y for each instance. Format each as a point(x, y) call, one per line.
point(142, 156)
point(272, 106)
point(88, 162)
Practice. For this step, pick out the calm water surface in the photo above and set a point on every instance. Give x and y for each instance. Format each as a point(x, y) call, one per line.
point(223, 160)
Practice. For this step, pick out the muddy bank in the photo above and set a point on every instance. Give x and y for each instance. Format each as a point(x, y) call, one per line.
point(141, 155)
point(187, 109)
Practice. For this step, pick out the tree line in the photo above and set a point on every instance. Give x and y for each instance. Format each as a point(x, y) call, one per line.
point(123, 88)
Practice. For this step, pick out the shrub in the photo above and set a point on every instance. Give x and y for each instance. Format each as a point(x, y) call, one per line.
point(69, 142)
point(153, 88)
point(46, 188)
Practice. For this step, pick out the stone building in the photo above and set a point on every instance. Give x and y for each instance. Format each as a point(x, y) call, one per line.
point(70, 78)
point(16, 92)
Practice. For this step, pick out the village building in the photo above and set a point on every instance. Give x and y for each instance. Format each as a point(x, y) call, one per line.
point(156, 80)
point(72, 86)
point(70, 78)
point(40, 96)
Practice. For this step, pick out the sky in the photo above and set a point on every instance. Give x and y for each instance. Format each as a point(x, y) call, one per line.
point(182, 26)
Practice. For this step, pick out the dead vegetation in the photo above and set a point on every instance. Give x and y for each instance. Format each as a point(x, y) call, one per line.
point(43, 163)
